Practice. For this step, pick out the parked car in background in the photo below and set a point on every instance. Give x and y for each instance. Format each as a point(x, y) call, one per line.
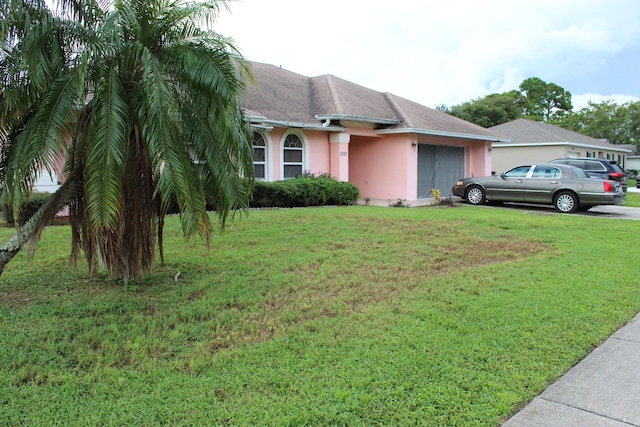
point(597, 168)
point(565, 187)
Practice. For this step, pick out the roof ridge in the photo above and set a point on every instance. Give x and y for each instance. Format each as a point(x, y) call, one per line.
point(394, 104)
point(333, 93)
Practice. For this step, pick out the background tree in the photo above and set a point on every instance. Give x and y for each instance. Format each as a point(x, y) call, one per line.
point(544, 101)
point(619, 124)
point(605, 120)
point(536, 100)
point(129, 92)
point(488, 111)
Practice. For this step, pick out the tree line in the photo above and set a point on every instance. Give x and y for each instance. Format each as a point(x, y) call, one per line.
point(538, 100)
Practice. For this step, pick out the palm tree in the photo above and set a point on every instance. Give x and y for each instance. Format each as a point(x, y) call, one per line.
point(131, 93)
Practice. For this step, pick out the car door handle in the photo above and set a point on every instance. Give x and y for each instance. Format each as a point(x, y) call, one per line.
point(519, 181)
point(554, 182)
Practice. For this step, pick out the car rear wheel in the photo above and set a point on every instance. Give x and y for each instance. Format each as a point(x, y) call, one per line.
point(475, 195)
point(566, 202)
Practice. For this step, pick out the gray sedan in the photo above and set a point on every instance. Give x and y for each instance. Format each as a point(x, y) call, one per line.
point(567, 188)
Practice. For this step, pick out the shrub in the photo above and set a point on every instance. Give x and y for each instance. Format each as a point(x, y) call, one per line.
point(27, 209)
point(173, 208)
point(304, 191)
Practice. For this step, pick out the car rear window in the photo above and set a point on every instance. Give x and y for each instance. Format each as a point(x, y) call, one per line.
point(581, 173)
point(546, 172)
point(617, 168)
point(577, 163)
point(594, 166)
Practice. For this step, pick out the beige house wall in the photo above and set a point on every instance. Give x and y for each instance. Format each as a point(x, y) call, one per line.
point(633, 162)
point(504, 158)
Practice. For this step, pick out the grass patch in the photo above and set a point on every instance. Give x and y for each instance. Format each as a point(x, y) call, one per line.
point(325, 316)
point(633, 200)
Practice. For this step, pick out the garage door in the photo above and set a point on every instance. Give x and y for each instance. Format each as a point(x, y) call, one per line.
point(439, 166)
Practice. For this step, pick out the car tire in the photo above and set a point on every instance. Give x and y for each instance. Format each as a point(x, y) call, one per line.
point(566, 202)
point(475, 195)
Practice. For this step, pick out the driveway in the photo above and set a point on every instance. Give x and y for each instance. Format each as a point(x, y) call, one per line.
point(613, 211)
point(605, 211)
point(616, 211)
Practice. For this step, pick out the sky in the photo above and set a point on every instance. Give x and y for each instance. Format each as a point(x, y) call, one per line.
point(450, 51)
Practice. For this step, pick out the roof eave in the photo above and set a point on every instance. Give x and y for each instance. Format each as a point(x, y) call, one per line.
point(300, 125)
point(548, 144)
point(431, 132)
point(354, 118)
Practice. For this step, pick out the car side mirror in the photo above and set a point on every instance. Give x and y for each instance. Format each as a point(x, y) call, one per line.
point(502, 176)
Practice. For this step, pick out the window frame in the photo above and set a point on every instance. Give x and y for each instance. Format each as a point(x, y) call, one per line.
point(264, 163)
point(303, 154)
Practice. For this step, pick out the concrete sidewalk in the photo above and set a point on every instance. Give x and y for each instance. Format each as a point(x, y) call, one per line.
point(603, 390)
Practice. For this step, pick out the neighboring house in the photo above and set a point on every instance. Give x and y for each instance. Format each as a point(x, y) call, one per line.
point(633, 159)
point(530, 141)
point(389, 147)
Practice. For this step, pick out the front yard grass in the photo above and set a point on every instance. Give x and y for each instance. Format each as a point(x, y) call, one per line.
point(633, 199)
point(353, 316)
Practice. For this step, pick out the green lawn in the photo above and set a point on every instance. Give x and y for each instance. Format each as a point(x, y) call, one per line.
point(633, 200)
point(356, 316)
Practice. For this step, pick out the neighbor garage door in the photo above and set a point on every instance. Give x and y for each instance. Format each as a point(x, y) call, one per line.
point(439, 167)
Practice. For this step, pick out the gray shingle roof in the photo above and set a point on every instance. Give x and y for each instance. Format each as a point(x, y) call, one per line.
point(523, 131)
point(281, 95)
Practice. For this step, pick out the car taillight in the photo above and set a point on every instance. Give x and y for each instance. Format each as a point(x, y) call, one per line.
point(616, 175)
point(608, 187)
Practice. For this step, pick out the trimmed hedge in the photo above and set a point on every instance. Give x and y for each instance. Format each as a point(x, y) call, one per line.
point(292, 193)
point(28, 208)
point(304, 191)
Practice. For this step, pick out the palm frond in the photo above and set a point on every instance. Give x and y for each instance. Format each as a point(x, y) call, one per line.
point(169, 154)
point(37, 147)
point(106, 153)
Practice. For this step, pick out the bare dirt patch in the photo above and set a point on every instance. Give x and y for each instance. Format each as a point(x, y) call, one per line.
point(375, 269)
point(15, 299)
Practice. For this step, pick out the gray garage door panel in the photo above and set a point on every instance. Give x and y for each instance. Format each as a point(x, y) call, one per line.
point(439, 166)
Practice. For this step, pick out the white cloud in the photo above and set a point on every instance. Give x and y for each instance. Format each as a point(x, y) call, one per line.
point(440, 52)
point(582, 101)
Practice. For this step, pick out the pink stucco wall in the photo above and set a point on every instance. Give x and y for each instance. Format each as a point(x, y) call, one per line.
point(386, 166)
point(319, 152)
point(381, 166)
point(316, 151)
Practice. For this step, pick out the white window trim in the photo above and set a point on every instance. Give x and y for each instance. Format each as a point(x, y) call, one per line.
point(305, 152)
point(268, 158)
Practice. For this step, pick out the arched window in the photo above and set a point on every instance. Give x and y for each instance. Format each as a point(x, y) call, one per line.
point(292, 155)
point(259, 156)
